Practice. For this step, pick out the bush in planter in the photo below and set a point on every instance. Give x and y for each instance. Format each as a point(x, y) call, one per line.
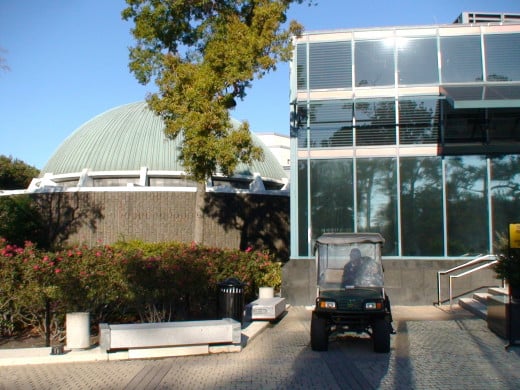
point(508, 269)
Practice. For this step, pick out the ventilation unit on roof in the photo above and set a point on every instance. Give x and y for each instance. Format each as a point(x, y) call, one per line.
point(487, 17)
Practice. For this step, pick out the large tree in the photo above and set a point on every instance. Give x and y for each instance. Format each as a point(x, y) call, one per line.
point(203, 55)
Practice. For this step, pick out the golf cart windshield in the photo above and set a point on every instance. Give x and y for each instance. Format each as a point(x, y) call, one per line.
point(349, 263)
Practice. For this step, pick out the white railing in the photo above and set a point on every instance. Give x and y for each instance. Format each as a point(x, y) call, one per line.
point(489, 260)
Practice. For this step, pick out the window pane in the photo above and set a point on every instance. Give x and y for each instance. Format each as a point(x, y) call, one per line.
point(332, 196)
point(502, 57)
point(375, 122)
point(376, 199)
point(505, 190)
point(330, 65)
point(461, 59)
point(466, 205)
point(419, 121)
point(330, 124)
point(421, 206)
point(301, 66)
point(303, 247)
point(417, 61)
point(374, 63)
point(464, 126)
point(504, 124)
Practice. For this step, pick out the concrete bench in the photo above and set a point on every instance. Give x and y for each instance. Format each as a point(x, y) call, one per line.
point(265, 309)
point(169, 334)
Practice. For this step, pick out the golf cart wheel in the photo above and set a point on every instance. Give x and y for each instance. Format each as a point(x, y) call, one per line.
point(381, 335)
point(319, 334)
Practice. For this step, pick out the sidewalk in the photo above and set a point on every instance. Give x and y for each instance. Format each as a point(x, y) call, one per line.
point(29, 356)
point(434, 348)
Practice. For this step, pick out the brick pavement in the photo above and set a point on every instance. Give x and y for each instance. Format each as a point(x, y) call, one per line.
point(432, 350)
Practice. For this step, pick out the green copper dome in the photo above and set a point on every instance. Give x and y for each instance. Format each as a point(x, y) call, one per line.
point(129, 137)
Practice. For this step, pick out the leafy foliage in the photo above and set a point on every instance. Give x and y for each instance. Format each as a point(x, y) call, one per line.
point(126, 282)
point(15, 174)
point(203, 56)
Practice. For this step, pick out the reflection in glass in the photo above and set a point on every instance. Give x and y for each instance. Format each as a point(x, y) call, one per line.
point(461, 59)
point(301, 66)
point(464, 125)
point(375, 122)
point(331, 123)
point(374, 63)
point(303, 248)
point(417, 61)
point(376, 199)
point(502, 57)
point(332, 196)
point(505, 192)
point(421, 206)
point(419, 121)
point(330, 65)
point(466, 191)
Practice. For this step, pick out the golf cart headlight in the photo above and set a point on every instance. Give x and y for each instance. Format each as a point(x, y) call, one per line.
point(373, 305)
point(327, 304)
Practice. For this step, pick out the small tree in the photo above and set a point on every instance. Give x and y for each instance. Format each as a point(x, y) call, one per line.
point(203, 55)
point(15, 174)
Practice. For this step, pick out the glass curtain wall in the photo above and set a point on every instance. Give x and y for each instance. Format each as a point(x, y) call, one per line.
point(415, 200)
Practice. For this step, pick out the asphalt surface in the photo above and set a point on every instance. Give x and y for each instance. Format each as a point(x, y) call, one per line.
point(433, 349)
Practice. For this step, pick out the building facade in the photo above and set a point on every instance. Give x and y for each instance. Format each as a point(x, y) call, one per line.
point(413, 132)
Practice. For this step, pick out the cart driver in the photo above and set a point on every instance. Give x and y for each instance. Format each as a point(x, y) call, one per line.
point(352, 268)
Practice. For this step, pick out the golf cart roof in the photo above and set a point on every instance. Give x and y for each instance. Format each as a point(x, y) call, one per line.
point(349, 238)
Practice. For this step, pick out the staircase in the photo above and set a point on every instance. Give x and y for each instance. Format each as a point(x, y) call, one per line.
point(478, 302)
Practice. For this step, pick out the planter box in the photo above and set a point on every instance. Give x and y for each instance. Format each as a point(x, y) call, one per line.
point(500, 313)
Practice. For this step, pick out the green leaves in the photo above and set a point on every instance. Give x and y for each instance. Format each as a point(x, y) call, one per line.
point(203, 55)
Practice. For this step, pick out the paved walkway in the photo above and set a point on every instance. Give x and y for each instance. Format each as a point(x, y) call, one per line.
point(433, 349)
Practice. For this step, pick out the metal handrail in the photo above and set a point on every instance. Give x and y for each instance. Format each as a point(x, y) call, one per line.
point(492, 259)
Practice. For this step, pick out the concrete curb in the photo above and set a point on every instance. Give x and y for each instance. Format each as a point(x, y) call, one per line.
point(29, 356)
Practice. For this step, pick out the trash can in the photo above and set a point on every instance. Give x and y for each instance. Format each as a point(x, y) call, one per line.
point(230, 303)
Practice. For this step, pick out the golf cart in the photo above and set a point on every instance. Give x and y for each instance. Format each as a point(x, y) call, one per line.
point(350, 292)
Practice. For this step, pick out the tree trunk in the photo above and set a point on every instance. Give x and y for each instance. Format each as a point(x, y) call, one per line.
point(198, 226)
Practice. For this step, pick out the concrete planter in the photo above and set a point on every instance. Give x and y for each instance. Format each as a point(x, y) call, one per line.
point(78, 330)
point(265, 292)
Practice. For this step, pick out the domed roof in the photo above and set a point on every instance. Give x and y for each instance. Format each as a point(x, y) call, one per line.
point(131, 136)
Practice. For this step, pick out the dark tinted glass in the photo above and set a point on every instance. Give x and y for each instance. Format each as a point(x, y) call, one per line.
point(375, 122)
point(505, 192)
point(330, 65)
point(332, 202)
point(330, 124)
point(421, 206)
point(374, 63)
point(461, 59)
point(466, 205)
point(502, 57)
point(301, 66)
point(303, 246)
point(376, 200)
point(417, 61)
point(419, 121)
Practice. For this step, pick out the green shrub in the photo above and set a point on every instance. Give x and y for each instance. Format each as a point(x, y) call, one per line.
point(126, 282)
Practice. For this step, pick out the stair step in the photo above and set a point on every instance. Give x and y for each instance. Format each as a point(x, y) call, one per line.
point(481, 297)
point(474, 306)
point(498, 291)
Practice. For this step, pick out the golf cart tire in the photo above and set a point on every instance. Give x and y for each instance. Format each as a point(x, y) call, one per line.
point(319, 334)
point(381, 335)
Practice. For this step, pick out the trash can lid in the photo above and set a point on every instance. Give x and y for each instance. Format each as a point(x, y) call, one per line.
point(232, 282)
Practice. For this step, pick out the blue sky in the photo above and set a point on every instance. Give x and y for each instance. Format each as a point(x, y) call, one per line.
point(68, 63)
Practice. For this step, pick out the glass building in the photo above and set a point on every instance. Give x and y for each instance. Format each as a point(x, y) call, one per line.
point(413, 132)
